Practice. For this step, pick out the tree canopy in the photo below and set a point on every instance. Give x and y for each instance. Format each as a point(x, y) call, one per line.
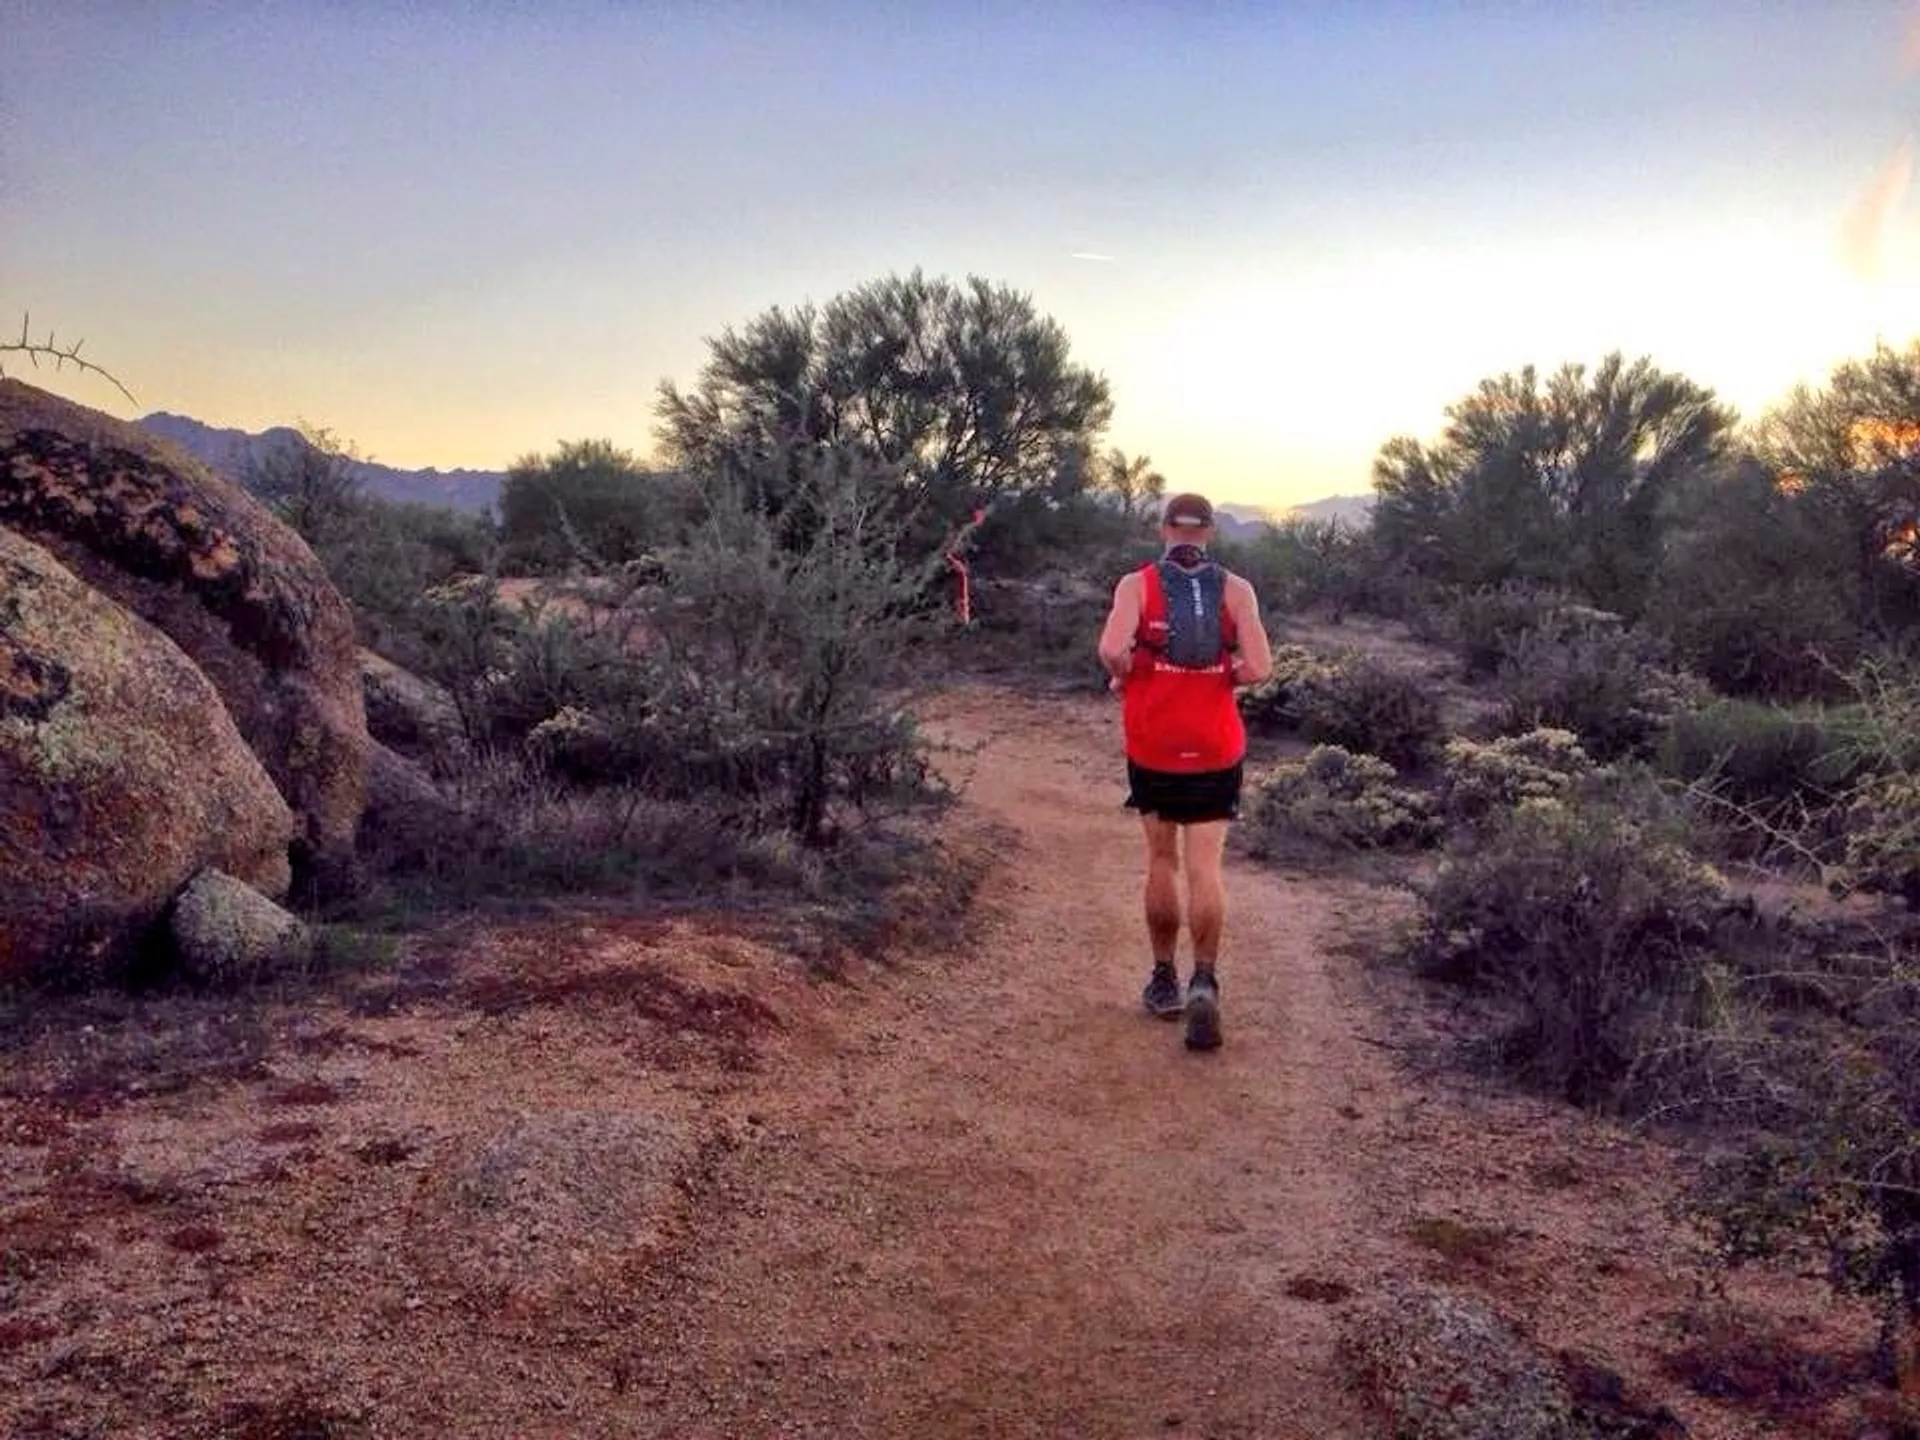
point(589, 501)
point(1849, 457)
point(967, 391)
point(1565, 480)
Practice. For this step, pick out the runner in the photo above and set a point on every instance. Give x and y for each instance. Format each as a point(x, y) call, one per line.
point(1183, 632)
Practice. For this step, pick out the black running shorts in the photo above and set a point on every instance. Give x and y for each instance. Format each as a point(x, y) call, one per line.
point(1184, 799)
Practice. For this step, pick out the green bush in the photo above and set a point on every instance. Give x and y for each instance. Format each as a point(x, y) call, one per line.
point(1044, 627)
point(588, 506)
point(509, 666)
point(1334, 798)
point(1812, 1042)
point(1757, 754)
point(1883, 811)
point(1587, 921)
point(1830, 787)
point(1299, 563)
point(1040, 536)
point(384, 557)
point(1772, 636)
point(1883, 837)
point(750, 671)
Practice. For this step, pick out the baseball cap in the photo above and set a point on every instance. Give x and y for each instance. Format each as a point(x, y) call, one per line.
point(1188, 510)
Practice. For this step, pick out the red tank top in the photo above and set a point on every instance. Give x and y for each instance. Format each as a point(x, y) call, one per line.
point(1178, 718)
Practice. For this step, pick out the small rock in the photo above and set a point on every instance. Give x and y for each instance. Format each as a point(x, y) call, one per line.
point(226, 932)
point(1442, 1366)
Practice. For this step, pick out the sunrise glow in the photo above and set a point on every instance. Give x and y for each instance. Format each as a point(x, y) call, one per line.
point(455, 236)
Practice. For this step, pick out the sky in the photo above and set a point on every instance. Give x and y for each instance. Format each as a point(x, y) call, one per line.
point(456, 232)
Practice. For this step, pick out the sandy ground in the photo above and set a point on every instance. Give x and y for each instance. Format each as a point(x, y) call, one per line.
point(614, 1176)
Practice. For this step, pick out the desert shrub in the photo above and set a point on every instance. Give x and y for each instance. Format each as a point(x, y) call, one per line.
point(384, 556)
point(1831, 1169)
point(1769, 784)
point(773, 664)
point(751, 670)
point(1336, 798)
point(1811, 1044)
point(1038, 535)
point(1479, 781)
point(1354, 701)
point(1368, 704)
point(1780, 637)
point(1756, 591)
point(1605, 685)
point(1487, 625)
point(1046, 627)
point(500, 661)
point(517, 832)
point(588, 505)
point(1883, 837)
point(1758, 754)
point(1833, 789)
point(1883, 810)
point(1587, 920)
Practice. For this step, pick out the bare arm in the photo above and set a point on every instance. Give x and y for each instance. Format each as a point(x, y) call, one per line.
point(1116, 637)
point(1253, 661)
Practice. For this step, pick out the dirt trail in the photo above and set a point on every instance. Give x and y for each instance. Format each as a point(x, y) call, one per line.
point(1037, 1213)
point(614, 1177)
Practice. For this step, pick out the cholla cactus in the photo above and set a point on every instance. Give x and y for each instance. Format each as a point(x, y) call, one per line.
point(1883, 843)
point(1340, 798)
point(568, 721)
point(1270, 704)
point(576, 743)
point(1481, 779)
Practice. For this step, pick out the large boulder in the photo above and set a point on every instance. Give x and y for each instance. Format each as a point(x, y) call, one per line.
point(408, 819)
point(121, 774)
point(210, 566)
point(411, 716)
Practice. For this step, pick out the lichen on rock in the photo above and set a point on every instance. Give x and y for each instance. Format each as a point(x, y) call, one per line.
point(210, 566)
point(226, 932)
point(1439, 1365)
point(121, 774)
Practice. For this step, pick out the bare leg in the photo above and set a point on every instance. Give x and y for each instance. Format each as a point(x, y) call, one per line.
point(1206, 887)
point(1163, 886)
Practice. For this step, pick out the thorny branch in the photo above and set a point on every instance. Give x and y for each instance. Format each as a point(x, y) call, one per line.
point(60, 355)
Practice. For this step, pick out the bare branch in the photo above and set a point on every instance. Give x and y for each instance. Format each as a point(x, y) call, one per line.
point(61, 356)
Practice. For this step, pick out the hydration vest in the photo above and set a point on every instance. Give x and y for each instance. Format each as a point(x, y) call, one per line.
point(1184, 613)
point(1177, 707)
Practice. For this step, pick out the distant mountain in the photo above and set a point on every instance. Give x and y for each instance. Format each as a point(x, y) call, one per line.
point(1353, 511)
point(1239, 522)
point(228, 452)
point(1242, 521)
